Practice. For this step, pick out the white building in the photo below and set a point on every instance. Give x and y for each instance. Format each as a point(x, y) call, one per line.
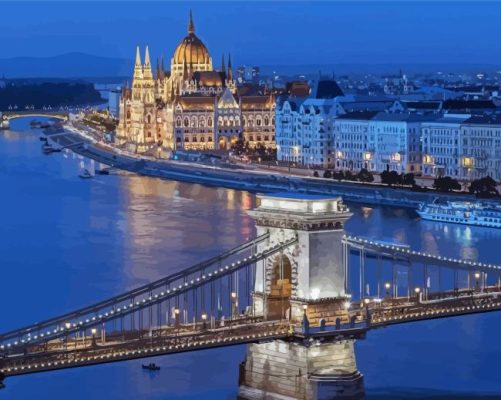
point(463, 147)
point(440, 144)
point(353, 149)
point(396, 141)
point(304, 127)
point(480, 148)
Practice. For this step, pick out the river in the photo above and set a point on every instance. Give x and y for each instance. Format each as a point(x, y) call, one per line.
point(66, 242)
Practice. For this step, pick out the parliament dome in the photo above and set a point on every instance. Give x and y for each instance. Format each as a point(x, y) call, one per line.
point(191, 50)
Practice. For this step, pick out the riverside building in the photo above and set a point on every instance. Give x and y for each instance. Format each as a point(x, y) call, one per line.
point(191, 107)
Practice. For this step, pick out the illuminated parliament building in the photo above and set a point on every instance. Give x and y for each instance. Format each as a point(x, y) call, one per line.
point(192, 106)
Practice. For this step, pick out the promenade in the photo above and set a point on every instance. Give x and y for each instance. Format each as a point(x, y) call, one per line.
point(239, 176)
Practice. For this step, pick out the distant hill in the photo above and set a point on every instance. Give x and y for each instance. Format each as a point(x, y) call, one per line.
point(80, 65)
point(68, 65)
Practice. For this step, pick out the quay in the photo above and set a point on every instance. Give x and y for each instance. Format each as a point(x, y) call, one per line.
point(240, 178)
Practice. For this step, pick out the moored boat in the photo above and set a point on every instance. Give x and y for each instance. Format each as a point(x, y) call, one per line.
point(463, 212)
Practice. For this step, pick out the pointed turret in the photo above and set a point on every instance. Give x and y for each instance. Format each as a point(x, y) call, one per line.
point(191, 25)
point(223, 66)
point(157, 70)
point(138, 57)
point(230, 72)
point(147, 73)
point(138, 67)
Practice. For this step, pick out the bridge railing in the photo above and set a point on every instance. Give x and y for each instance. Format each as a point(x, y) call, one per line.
point(192, 292)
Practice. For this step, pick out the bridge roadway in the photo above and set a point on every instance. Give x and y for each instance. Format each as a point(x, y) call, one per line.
point(69, 352)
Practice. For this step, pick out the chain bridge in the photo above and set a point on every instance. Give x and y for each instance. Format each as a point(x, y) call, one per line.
point(299, 295)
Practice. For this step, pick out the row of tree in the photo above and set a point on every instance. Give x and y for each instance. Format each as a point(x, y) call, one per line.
point(362, 176)
point(483, 187)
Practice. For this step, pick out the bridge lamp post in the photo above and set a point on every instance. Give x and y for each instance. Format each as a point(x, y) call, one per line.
point(387, 286)
point(477, 277)
point(67, 325)
point(366, 302)
point(93, 332)
point(176, 317)
point(204, 320)
point(418, 292)
point(234, 305)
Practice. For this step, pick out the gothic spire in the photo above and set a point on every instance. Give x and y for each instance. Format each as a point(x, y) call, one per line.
point(223, 66)
point(138, 57)
point(230, 72)
point(147, 73)
point(147, 57)
point(138, 68)
point(191, 25)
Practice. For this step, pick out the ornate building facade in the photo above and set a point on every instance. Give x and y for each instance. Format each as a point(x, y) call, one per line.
point(192, 106)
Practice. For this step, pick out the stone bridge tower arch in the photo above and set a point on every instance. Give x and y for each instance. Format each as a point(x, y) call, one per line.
point(317, 270)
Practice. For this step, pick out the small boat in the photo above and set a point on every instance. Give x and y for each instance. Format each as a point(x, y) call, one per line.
point(151, 367)
point(85, 174)
point(47, 149)
point(463, 212)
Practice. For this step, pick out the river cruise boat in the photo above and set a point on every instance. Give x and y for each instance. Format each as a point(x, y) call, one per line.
point(466, 213)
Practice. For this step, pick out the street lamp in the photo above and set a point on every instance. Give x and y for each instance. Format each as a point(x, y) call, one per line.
point(477, 277)
point(93, 332)
point(387, 286)
point(306, 323)
point(204, 319)
point(417, 291)
point(367, 314)
point(176, 317)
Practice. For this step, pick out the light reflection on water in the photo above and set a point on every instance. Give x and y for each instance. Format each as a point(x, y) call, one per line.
point(66, 242)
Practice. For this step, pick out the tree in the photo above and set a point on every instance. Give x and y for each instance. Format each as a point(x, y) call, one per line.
point(339, 175)
point(315, 174)
point(349, 176)
point(408, 179)
point(365, 176)
point(327, 174)
point(390, 178)
point(446, 184)
point(484, 187)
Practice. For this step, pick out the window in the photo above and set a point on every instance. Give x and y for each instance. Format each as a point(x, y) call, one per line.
point(209, 121)
point(178, 122)
point(186, 122)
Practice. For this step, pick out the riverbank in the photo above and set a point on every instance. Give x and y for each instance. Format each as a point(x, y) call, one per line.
point(240, 178)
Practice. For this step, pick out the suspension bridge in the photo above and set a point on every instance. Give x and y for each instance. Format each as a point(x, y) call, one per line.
point(298, 295)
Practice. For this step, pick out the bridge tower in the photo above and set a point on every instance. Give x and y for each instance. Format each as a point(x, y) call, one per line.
point(306, 281)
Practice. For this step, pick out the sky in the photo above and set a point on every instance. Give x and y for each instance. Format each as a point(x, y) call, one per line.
point(261, 32)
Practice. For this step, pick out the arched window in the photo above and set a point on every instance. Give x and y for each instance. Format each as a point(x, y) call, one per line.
point(201, 122)
point(273, 121)
point(244, 121)
point(148, 118)
point(209, 121)
point(266, 120)
point(220, 121)
point(251, 121)
point(128, 114)
point(259, 121)
point(237, 120)
point(186, 122)
point(178, 122)
point(194, 122)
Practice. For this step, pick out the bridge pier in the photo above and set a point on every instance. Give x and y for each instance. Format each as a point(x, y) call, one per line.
point(312, 370)
point(306, 280)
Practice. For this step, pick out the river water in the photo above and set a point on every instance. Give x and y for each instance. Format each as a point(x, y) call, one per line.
point(66, 242)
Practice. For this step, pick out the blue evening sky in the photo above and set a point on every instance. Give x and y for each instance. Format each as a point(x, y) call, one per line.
point(263, 33)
